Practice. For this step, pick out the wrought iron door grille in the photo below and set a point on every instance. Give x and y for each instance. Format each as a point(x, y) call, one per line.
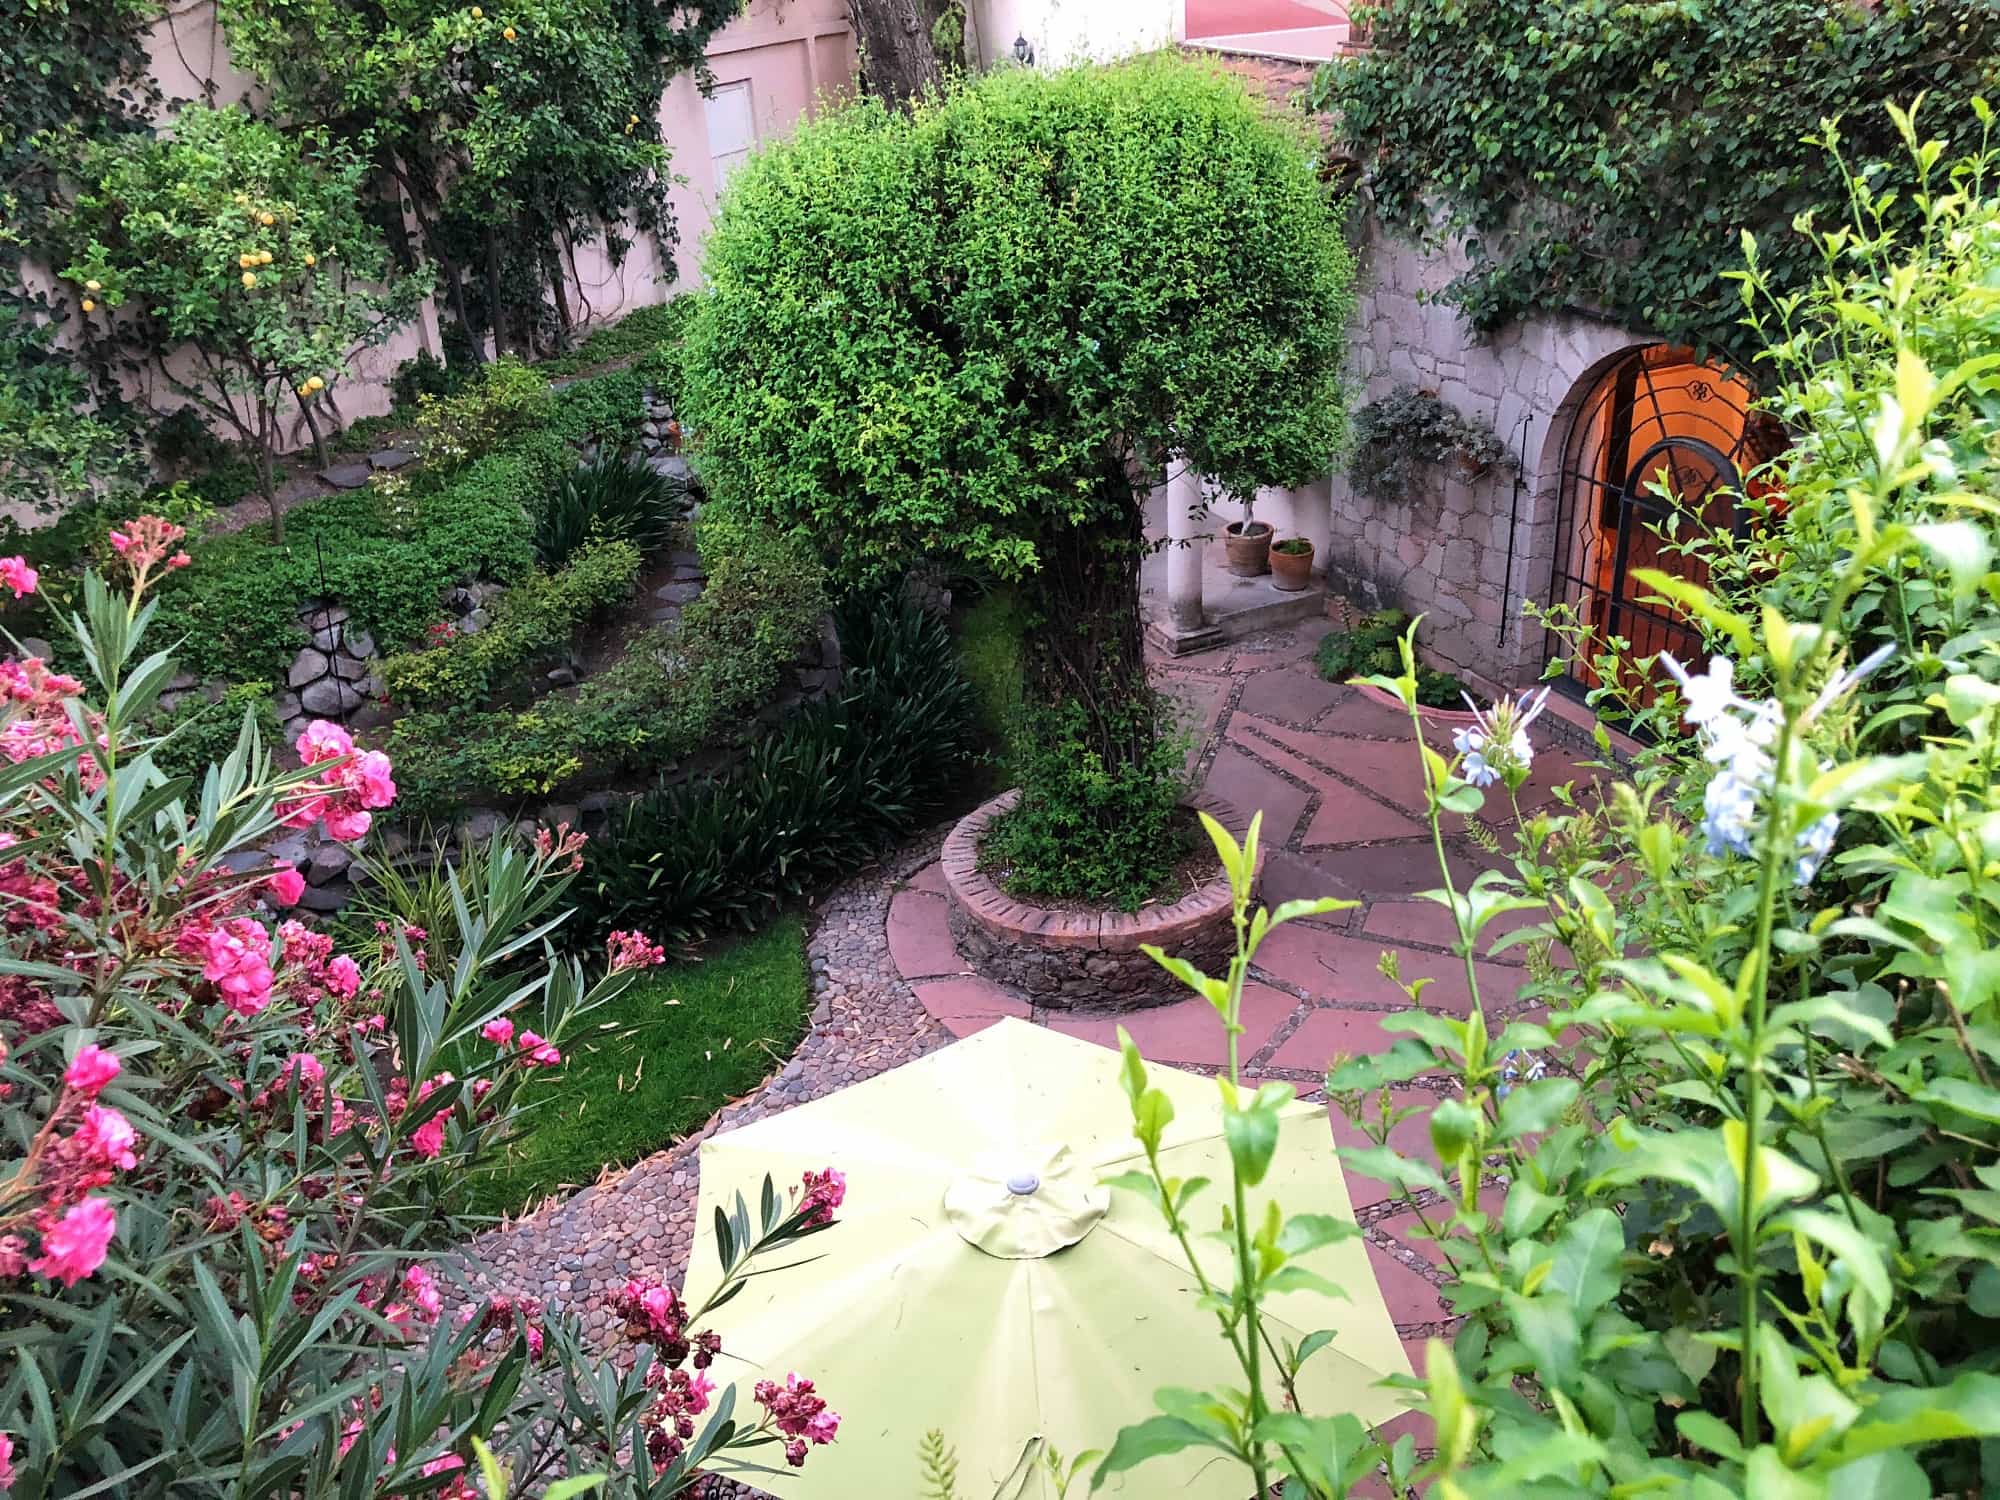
point(1660, 433)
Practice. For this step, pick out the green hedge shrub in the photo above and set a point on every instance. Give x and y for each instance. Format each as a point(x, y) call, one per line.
point(838, 782)
point(508, 398)
point(975, 332)
point(537, 618)
point(237, 606)
point(390, 563)
point(673, 692)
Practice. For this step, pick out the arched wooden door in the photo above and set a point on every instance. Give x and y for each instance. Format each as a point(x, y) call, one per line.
point(1658, 449)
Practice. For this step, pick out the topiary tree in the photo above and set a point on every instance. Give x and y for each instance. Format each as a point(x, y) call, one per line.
point(237, 264)
point(979, 331)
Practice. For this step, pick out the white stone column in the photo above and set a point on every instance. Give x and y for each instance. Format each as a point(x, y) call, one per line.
point(1186, 543)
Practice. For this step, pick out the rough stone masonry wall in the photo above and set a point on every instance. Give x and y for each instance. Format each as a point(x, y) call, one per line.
point(1444, 552)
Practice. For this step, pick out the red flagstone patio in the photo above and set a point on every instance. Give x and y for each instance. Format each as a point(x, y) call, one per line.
point(1340, 785)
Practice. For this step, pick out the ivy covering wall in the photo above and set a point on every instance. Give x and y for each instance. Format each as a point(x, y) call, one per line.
point(1607, 156)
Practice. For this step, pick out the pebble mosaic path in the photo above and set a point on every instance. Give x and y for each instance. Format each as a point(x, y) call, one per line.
point(1340, 784)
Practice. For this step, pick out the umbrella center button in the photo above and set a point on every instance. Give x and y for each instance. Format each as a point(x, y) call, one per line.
point(1016, 1210)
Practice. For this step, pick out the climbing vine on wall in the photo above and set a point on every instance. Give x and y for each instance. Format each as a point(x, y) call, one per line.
point(1604, 155)
point(515, 134)
point(75, 73)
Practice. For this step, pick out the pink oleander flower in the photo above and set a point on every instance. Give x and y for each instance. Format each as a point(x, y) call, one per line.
point(13, 1256)
point(145, 541)
point(106, 1137)
point(499, 1031)
point(323, 740)
point(541, 1054)
point(798, 1412)
point(421, 1288)
point(6, 1461)
point(90, 1070)
point(821, 1194)
point(428, 1140)
point(75, 1245)
point(18, 576)
point(562, 847)
point(238, 960)
point(634, 950)
point(343, 977)
point(286, 886)
point(309, 1070)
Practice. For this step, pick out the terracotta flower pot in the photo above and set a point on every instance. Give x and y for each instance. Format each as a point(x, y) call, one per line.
point(1248, 544)
point(1291, 565)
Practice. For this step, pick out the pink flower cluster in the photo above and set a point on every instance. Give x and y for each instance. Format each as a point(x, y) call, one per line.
point(144, 541)
point(821, 1193)
point(350, 786)
point(236, 957)
point(37, 722)
point(419, 1305)
point(533, 1050)
point(634, 950)
point(18, 576)
point(562, 847)
point(798, 1412)
point(655, 1315)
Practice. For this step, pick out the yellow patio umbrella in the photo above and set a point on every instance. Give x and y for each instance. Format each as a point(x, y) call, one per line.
point(1073, 1306)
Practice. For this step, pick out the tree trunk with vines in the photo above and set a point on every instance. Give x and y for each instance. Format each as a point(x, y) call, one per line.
point(1085, 645)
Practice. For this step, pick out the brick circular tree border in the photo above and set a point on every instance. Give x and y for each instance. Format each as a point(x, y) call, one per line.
point(1068, 958)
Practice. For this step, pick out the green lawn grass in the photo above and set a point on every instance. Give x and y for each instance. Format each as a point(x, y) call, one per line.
point(658, 1061)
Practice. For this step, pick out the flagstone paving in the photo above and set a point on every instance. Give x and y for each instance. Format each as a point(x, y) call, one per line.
point(1338, 779)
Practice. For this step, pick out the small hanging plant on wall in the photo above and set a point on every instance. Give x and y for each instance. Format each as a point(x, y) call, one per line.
point(1408, 431)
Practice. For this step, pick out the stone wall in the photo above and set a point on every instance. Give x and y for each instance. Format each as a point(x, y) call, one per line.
point(1445, 552)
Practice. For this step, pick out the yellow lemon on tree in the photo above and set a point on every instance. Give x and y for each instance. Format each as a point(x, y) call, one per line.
point(93, 286)
point(477, 13)
point(267, 218)
point(88, 305)
point(249, 279)
point(245, 262)
point(508, 33)
point(315, 384)
point(263, 257)
point(311, 259)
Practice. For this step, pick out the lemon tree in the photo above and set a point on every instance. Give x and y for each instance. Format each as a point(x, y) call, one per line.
point(235, 267)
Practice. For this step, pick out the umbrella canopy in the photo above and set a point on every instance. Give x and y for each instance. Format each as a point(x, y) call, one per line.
point(980, 1281)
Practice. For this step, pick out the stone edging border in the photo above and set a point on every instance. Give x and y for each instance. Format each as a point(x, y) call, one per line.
point(1012, 922)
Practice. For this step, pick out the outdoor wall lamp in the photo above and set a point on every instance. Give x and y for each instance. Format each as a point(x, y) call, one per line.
point(1023, 53)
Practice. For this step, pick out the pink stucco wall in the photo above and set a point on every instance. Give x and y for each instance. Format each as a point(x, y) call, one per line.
point(791, 54)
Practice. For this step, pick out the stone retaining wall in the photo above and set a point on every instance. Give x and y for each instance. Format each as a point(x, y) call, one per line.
point(1465, 554)
point(1067, 958)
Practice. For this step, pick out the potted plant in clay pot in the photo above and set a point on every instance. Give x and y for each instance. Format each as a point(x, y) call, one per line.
point(1291, 564)
point(1248, 545)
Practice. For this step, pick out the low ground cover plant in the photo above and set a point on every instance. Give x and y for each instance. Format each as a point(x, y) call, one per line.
point(1371, 647)
point(673, 691)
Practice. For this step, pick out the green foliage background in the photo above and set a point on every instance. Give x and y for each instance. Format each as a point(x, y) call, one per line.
point(1605, 156)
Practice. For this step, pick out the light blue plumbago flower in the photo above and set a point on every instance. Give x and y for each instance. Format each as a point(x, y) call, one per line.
point(1513, 1070)
point(1737, 735)
point(1496, 744)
